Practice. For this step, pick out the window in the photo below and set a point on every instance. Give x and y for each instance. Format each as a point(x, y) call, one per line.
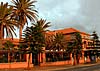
point(12, 57)
point(3, 57)
point(17, 57)
point(56, 56)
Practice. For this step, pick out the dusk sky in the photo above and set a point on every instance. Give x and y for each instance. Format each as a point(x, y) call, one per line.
point(83, 15)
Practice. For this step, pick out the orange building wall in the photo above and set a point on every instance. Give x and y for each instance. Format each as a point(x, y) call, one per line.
point(85, 37)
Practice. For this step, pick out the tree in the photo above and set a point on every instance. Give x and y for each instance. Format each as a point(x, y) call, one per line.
point(34, 37)
point(24, 11)
point(95, 38)
point(8, 45)
point(75, 46)
point(59, 42)
point(48, 41)
point(7, 23)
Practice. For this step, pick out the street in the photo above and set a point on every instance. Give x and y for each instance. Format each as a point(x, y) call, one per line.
point(83, 68)
point(80, 67)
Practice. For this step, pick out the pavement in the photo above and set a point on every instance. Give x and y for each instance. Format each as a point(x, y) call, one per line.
point(51, 68)
point(61, 67)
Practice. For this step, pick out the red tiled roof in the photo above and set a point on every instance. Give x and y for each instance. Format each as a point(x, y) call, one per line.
point(66, 31)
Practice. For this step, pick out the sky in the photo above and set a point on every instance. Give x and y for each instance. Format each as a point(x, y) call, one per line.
point(83, 15)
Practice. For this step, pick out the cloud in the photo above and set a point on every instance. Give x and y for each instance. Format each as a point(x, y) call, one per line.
point(81, 14)
point(58, 12)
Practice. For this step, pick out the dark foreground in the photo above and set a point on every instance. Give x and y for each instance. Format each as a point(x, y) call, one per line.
point(90, 67)
point(81, 67)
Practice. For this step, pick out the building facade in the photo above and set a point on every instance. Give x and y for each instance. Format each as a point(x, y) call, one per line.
point(12, 58)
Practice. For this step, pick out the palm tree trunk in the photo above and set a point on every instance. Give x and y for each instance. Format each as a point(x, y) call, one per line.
point(8, 57)
point(20, 57)
point(1, 35)
point(74, 59)
point(29, 61)
point(39, 58)
point(20, 33)
point(77, 58)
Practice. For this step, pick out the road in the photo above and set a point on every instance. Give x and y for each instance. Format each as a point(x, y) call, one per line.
point(80, 67)
point(83, 68)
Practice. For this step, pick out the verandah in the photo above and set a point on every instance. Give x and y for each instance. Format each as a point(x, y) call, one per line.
point(7, 56)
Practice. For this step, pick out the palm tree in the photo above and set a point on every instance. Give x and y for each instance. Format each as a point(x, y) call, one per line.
point(59, 42)
point(49, 41)
point(7, 23)
point(24, 10)
point(34, 37)
point(8, 45)
point(42, 25)
point(75, 46)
